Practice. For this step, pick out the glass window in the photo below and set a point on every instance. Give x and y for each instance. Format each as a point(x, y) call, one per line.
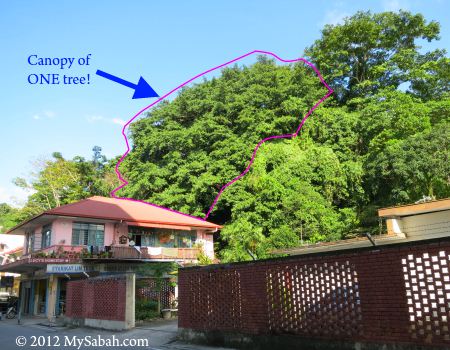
point(46, 236)
point(186, 239)
point(30, 242)
point(160, 237)
point(88, 234)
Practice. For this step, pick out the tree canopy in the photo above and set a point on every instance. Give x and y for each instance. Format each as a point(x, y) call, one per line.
point(57, 181)
point(369, 52)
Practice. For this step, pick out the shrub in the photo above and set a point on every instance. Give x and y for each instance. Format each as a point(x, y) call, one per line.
point(146, 309)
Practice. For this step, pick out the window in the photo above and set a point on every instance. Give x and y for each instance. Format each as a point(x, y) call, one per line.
point(30, 242)
point(46, 236)
point(88, 234)
point(186, 239)
point(159, 237)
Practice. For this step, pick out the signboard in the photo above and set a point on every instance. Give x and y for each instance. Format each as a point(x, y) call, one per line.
point(46, 260)
point(67, 268)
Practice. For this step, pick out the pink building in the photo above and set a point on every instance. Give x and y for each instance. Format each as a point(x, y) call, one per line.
point(99, 236)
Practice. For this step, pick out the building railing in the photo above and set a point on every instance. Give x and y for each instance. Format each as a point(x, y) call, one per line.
point(113, 252)
point(123, 252)
point(57, 251)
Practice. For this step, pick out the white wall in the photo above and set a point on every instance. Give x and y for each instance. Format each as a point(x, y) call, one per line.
point(436, 224)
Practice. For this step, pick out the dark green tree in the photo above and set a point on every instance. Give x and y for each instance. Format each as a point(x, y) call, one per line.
point(9, 217)
point(58, 181)
point(372, 51)
point(408, 169)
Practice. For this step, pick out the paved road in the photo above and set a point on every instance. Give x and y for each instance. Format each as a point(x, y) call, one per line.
point(155, 336)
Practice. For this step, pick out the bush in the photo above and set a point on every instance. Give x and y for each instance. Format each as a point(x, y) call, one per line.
point(146, 309)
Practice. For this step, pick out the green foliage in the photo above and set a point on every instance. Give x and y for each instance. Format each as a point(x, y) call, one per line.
point(287, 199)
point(349, 159)
point(146, 309)
point(58, 181)
point(191, 146)
point(9, 217)
point(159, 272)
point(407, 169)
point(373, 51)
point(202, 258)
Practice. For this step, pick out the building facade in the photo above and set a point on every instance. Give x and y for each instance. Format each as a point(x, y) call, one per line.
point(100, 236)
point(11, 248)
point(403, 223)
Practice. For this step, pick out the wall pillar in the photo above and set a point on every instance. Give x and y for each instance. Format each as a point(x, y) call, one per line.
point(58, 289)
point(33, 305)
point(51, 294)
point(130, 296)
point(21, 297)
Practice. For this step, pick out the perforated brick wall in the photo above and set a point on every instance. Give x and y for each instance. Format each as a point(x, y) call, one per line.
point(427, 282)
point(219, 295)
point(97, 298)
point(147, 288)
point(315, 299)
point(390, 294)
point(74, 299)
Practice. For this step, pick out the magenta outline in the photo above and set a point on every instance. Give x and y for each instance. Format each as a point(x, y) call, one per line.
point(293, 135)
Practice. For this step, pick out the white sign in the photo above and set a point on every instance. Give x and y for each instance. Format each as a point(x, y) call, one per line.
point(66, 268)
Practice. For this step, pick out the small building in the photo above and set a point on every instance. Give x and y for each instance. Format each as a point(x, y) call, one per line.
point(11, 248)
point(425, 220)
point(100, 236)
point(404, 223)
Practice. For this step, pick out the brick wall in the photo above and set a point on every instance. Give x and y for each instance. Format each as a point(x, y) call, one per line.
point(97, 298)
point(148, 289)
point(390, 294)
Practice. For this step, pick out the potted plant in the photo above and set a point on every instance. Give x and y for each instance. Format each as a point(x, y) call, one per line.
point(84, 254)
point(166, 313)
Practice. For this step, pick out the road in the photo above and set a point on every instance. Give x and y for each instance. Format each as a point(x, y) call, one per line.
point(37, 335)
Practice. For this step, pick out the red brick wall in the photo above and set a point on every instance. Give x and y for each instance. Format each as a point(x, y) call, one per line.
point(98, 298)
point(391, 294)
point(146, 288)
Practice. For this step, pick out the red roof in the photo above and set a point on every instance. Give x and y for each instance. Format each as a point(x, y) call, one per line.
point(126, 210)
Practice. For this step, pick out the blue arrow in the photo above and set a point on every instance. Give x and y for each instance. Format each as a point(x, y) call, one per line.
point(141, 90)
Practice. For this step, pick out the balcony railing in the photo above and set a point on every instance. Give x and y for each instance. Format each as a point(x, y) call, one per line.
point(57, 251)
point(114, 252)
point(123, 252)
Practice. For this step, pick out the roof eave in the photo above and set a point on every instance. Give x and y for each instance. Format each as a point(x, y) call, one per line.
point(11, 230)
point(212, 227)
point(415, 208)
